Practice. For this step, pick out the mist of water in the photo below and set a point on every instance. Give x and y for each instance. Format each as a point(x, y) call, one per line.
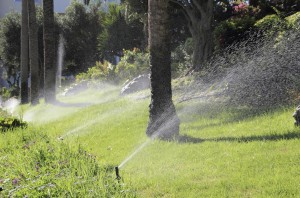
point(136, 151)
point(162, 130)
point(258, 72)
point(80, 129)
point(254, 72)
point(11, 105)
point(70, 105)
point(60, 60)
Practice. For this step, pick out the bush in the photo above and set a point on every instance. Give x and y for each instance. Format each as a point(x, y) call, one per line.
point(293, 21)
point(118, 34)
point(10, 123)
point(232, 30)
point(5, 93)
point(132, 64)
point(182, 58)
point(10, 44)
point(270, 25)
point(100, 72)
point(80, 28)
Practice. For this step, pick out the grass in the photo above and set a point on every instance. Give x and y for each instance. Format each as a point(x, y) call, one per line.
point(223, 151)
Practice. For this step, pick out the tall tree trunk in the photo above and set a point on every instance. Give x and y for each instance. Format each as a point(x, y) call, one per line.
point(163, 120)
point(49, 52)
point(24, 54)
point(33, 54)
point(202, 18)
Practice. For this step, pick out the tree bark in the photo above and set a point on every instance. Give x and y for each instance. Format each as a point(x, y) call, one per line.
point(33, 54)
point(49, 52)
point(24, 54)
point(163, 120)
point(202, 19)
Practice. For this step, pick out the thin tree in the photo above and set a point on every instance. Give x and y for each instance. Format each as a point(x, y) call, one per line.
point(24, 54)
point(33, 53)
point(199, 14)
point(163, 120)
point(49, 52)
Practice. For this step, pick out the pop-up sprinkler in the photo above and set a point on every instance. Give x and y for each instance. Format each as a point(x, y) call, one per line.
point(117, 173)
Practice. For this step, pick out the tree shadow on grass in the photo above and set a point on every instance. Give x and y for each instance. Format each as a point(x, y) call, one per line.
point(243, 139)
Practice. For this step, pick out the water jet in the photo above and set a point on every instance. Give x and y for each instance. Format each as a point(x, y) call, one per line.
point(60, 61)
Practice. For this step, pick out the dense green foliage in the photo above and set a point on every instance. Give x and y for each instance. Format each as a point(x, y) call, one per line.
point(181, 58)
point(80, 28)
point(10, 123)
point(118, 34)
point(10, 44)
point(133, 63)
point(294, 21)
point(100, 72)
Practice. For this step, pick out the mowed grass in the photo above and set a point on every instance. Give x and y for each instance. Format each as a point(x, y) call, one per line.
point(223, 151)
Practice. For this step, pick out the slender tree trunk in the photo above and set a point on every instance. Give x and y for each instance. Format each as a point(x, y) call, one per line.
point(49, 52)
point(163, 120)
point(201, 20)
point(145, 30)
point(33, 54)
point(24, 54)
point(203, 46)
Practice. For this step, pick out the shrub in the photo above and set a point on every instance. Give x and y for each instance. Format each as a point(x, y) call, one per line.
point(80, 28)
point(10, 123)
point(182, 58)
point(118, 34)
point(293, 21)
point(133, 63)
point(232, 30)
point(100, 72)
point(5, 93)
point(10, 39)
point(270, 25)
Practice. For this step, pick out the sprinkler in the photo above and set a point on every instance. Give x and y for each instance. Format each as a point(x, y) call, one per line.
point(117, 173)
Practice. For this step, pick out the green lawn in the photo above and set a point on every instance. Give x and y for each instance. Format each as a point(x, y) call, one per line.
point(222, 151)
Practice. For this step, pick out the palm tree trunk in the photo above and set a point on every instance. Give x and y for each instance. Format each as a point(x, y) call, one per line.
point(33, 53)
point(49, 52)
point(24, 54)
point(163, 120)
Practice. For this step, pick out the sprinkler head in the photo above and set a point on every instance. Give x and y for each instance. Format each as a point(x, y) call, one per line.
point(1, 189)
point(117, 173)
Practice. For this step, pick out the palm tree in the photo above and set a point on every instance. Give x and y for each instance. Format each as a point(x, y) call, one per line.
point(24, 54)
point(33, 53)
point(49, 52)
point(163, 120)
